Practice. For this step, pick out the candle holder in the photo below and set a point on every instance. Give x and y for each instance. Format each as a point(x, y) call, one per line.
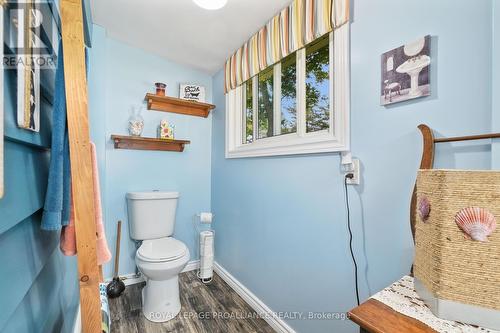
point(160, 88)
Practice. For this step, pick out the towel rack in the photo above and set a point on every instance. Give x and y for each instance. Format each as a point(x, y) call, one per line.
point(468, 137)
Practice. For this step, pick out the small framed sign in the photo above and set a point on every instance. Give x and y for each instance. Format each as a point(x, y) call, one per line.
point(192, 92)
point(28, 72)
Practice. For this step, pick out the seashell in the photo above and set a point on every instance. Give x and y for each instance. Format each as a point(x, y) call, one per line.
point(476, 222)
point(424, 208)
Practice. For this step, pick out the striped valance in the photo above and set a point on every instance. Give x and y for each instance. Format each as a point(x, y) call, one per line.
point(295, 26)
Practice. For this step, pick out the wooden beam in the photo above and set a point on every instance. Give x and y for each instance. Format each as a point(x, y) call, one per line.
point(81, 165)
point(469, 138)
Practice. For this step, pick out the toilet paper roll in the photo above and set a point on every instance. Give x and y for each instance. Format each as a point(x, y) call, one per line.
point(206, 254)
point(206, 217)
point(206, 243)
point(206, 265)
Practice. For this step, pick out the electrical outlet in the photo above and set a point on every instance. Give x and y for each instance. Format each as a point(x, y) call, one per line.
point(355, 171)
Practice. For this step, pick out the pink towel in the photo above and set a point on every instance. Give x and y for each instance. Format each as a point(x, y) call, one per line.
point(68, 236)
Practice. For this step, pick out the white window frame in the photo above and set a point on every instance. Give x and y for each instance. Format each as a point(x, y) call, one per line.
point(336, 140)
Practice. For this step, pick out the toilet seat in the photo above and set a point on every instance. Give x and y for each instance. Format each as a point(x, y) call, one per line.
point(161, 250)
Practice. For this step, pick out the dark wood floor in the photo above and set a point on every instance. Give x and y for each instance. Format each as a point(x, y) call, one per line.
point(198, 301)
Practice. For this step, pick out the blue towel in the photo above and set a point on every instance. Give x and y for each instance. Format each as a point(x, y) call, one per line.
point(57, 199)
point(57, 208)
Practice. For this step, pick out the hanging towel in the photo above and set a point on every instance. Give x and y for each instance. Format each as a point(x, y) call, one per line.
point(57, 198)
point(56, 210)
point(68, 235)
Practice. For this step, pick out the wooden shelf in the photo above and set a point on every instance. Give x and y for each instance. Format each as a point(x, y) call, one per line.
point(140, 143)
point(177, 105)
point(375, 316)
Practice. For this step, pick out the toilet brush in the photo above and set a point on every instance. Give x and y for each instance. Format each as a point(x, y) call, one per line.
point(116, 287)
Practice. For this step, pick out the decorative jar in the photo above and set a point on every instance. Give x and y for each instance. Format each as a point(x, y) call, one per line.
point(136, 122)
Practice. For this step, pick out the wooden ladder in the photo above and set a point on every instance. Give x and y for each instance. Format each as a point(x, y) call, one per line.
point(81, 165)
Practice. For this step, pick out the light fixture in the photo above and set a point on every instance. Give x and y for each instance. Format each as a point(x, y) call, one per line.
point(210, 4)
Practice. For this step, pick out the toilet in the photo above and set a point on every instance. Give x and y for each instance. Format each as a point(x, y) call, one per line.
point(160, 257)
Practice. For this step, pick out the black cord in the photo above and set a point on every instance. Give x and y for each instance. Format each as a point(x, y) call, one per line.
point(350, 237)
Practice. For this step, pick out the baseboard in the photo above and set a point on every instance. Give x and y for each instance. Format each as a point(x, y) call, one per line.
point(191, 266)
point(77, 326)
point(278, 324)
point(130, 279)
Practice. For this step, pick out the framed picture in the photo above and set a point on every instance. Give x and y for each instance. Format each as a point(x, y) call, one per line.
point(406, 72)
point(192, 92)
point(28, 75)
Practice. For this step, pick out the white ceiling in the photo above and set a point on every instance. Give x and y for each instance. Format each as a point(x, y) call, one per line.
point(181, 31)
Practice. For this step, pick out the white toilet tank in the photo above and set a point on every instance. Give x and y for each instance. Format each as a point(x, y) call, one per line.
point(151, 215)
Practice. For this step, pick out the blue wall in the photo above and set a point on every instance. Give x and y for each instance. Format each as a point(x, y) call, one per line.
point(39, 286)
point(119, 77)
point(281, 221)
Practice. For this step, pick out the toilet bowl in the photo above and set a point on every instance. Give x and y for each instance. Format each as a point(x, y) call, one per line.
point(160, 257)
point(161, 261)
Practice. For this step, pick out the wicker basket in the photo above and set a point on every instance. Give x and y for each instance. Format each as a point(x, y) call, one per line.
point(457, 277)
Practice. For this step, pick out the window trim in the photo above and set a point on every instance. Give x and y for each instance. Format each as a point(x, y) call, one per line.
point(336, 140)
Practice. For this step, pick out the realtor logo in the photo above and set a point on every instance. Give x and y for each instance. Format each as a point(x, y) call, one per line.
point(30, 35)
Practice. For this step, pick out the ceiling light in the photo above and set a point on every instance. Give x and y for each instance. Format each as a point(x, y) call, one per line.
point(211, 4)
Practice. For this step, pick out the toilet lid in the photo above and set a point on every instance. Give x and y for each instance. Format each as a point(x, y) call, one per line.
point(162, 249)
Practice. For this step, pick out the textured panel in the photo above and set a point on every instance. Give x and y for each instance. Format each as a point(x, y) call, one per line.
point(24, 251)
point(25, 183)
point(51, 303)
point(39, 286)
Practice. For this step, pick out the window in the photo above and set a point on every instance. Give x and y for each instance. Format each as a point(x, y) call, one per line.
point(266, 106)
point(299, 105)
point(318, 86)
point(248, 121)
point(288, 110)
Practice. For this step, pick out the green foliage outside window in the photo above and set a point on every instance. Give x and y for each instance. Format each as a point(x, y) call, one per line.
point(318, 85)
point(266, 105)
